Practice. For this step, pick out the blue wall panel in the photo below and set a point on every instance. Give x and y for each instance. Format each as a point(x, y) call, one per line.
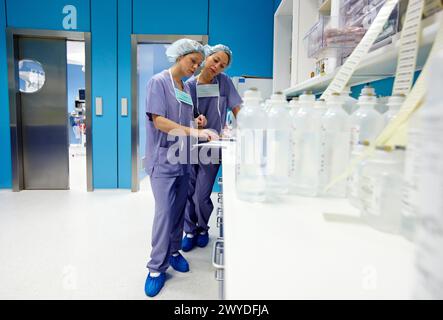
point(247, 28)
point(104, 84)
point(172, 16)
point(124, 91)
point(47, 14)
point(5, 144)
point(382, 87)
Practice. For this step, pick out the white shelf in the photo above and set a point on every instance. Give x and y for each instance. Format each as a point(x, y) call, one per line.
point(284, 9)
point(379, 64)
point(308, 248)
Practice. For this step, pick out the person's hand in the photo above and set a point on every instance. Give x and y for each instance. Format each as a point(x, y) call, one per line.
point(208, 135)
point(201, 121)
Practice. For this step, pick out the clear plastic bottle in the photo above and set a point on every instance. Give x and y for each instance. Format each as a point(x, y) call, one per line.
point(250, 152)
point(336, 132)
point(276, 99)
point(349, 103)
point(366, 122)
point(381, 189)
point(394, 104)
point(413, 165)
point(306, 143)
point(382, 106)
point(293, 106)
point(353, 180)
point(278, 132)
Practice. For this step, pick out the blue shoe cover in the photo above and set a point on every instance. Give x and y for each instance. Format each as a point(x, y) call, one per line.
point(153, 285)
point(202, 240)
point(188, 243)
point(179, 263)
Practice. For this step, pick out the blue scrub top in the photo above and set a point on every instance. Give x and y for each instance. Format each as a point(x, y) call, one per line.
point(229, 98)
point(161, 101)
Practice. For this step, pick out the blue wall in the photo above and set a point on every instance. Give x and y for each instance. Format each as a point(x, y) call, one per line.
point(382, 87)
point(124, 91)
point(247, 27)
point(46, 14)
point(171, 17)
point(5, 145)
point(104, 84)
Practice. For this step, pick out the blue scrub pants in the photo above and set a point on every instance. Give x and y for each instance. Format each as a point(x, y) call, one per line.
point(199, 206)
point(170, 196)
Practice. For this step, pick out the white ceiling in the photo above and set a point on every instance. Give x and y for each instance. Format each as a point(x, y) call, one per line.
point(76, 52)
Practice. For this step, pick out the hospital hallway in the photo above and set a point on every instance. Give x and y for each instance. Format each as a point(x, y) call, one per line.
point(79, 245)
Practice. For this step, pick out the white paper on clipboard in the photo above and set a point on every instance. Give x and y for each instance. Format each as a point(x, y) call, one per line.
point(221, 144)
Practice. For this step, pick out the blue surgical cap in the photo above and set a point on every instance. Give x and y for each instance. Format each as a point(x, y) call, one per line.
point(210, 50)
point(183, 47)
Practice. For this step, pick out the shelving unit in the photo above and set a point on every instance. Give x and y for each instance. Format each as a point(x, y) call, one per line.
point(292, 20)
point(379, 64)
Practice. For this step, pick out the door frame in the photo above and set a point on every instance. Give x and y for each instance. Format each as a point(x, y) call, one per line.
point(137, 39)
point(12, 35)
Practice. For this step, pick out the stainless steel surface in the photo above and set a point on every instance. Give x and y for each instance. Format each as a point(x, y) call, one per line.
point(13, 35)
point(135, 184)
point(45, 34)
point(15, 114)
point(220, 277)
point(218, 263)
point(219, 221)
point(98, 106)
point(217, 249)
point(88, 105)
point(135, 40)
point(124, 107)
point(44, 120)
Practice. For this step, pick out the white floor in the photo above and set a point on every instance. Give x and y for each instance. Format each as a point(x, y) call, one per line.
point(79, 245)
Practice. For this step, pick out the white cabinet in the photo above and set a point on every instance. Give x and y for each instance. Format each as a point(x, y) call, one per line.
point(292, 21)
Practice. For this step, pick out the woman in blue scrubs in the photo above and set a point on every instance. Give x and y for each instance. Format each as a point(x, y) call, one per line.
point(169, 109)
point(213, 94)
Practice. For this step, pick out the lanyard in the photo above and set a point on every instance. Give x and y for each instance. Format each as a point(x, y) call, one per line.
point(180, 96)
point(206, 96)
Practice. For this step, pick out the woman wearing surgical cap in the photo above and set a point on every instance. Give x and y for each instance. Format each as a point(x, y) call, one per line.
point(213, 94)
point(170, 117)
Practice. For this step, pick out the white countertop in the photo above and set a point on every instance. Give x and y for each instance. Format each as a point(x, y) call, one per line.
point(308, 248)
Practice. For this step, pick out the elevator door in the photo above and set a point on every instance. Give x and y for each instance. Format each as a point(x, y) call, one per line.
point(43, 104)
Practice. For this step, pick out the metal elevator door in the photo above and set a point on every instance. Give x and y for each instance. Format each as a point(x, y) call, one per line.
point(44, 117)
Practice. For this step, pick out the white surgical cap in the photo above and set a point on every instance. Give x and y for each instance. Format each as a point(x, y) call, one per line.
point(183, 47)
point(210, 50)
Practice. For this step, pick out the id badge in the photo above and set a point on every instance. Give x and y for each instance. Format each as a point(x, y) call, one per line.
point(183, 96)
point(208, 90)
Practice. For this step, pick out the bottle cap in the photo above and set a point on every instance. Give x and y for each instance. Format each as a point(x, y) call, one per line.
point(384, 148)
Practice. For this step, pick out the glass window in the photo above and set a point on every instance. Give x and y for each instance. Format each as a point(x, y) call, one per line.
point(32, 76)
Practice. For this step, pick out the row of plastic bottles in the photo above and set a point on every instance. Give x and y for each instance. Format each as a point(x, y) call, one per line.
point(301, 146)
